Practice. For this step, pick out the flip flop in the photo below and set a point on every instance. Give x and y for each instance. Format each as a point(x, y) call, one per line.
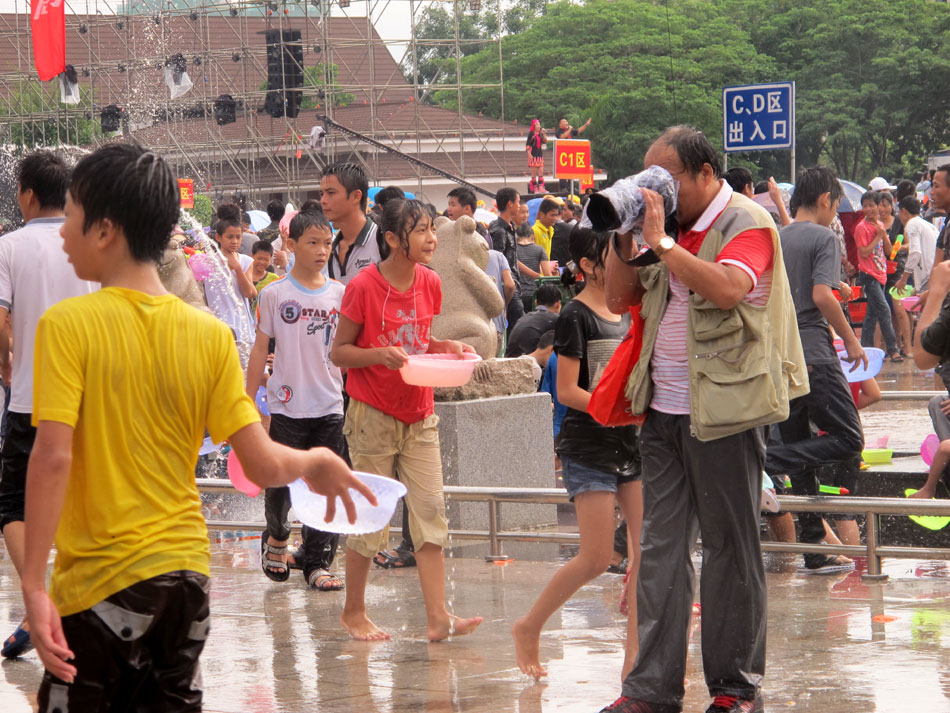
point(17, 644)
point(323, 581)
point(273, 569)
point(619, 568)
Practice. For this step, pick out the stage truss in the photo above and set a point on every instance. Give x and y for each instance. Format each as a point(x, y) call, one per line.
point(353, 74)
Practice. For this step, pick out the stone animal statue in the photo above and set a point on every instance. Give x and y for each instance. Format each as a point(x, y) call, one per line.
point(469, 297)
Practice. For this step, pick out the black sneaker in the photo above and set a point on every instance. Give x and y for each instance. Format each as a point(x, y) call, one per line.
point(732, 704)
point(625, 704)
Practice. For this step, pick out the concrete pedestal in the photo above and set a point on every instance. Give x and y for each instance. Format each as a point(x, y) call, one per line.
point(503, 441)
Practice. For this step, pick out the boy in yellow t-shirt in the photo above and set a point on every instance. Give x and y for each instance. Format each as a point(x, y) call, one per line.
point(544, 222)
point(127, 380)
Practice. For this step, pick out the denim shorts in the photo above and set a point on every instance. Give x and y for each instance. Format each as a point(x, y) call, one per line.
point(579, 478)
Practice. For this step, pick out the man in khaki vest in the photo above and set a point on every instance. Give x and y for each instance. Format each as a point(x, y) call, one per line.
point(721, 357)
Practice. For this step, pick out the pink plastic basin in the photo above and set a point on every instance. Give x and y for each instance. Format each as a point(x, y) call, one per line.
point(910, 303)
point(439, 369)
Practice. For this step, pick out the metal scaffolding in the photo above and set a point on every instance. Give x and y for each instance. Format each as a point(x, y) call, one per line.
point(352, 74)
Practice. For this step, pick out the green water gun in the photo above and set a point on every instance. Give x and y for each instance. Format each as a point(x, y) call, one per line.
point(897, 246)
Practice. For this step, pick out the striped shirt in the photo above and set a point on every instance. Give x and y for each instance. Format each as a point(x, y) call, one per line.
point(751, 251)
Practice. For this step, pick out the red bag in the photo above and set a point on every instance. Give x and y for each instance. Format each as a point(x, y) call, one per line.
point(609, 405)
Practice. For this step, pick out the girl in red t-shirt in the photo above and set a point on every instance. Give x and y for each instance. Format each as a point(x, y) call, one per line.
point(390, 426)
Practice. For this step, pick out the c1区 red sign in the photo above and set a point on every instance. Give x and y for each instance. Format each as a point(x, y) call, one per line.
point(571, 158)
point(48, 23)
point(186, 191)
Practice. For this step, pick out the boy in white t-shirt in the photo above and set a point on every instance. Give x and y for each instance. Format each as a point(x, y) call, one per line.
point(34, 275)
point(305, 393)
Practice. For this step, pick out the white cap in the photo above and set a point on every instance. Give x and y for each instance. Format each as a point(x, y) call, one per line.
point(880, 184)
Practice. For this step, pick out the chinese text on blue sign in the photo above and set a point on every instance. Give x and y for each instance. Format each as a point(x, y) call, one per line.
point(757, 117)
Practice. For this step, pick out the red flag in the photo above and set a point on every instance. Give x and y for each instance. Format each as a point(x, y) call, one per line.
point(48, 21)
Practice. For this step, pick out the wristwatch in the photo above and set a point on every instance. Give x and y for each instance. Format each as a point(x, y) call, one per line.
point(665, 245)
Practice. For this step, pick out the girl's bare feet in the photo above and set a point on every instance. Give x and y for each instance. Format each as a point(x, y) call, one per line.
point(528, 649)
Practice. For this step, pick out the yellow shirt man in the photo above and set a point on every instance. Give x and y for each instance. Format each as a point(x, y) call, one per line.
point(543, 236)
point(139, 378)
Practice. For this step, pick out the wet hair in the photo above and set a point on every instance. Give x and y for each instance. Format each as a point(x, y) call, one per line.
point(135, 190)
point(229, 211)
point(760, 188)
point(387, 194)
point(399, 217)
point(311, 205)
point(904, 188)
point(524, 231)
point(547, 339)
point(351, 177)
point(262, 246)
point(275, 211)
point(465, 197)
point(910, 204)
point(589, 243)
point(547, 295)
point(47, 175)
point(224, 223)
point(549, 204)
point(812, 183)
point(692, 148)
point(738, 177)
point(304, 220)
point(871, 197)
point(504, 196)
point(245, 218)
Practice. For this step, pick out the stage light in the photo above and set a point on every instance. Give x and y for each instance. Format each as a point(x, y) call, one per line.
point(234, 12)
point(194, 15)
point(120, 24)
point(83, 29)
point(317, 49)
point(236, 57)
point(196, 61)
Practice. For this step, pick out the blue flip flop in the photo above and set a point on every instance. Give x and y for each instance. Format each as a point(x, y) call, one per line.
point(17, 644)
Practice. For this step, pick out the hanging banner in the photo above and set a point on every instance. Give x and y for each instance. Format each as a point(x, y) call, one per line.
point(48, 23)
point(186, 191)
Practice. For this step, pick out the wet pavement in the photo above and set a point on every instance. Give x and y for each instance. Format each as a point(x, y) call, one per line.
point(836, 643)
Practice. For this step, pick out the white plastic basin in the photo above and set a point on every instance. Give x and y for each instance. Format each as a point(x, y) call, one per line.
point(312, 508)
point(875, 362)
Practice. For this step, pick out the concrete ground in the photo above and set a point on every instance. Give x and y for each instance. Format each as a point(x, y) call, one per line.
point(836, 644)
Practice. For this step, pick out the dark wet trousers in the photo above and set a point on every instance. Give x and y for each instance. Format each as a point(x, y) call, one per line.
point(319, 548)
point(830, 407)
point(711, 489)
point(137, 650)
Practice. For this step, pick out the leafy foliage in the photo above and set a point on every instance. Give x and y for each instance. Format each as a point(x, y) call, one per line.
point(34, 116)
point(868, 75)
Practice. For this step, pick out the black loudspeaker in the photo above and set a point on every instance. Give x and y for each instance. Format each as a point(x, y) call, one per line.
point(284, 72)
point(224, 107)
point(111, 118)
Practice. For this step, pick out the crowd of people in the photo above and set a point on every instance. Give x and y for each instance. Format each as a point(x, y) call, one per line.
point(739, 375)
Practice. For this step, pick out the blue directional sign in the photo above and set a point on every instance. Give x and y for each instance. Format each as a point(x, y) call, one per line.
point(758, 117)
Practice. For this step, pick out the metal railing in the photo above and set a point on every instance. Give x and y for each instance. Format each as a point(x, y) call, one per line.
point(910, 395)
point(871, 508)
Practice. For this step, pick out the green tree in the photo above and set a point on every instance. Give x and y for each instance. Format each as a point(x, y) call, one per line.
point(33, 116)
point(611, 61)
point(870, 79)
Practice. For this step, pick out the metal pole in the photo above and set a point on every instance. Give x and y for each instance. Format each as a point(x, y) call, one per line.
point(871, 527)
point(494, 542)
point(725, 162)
